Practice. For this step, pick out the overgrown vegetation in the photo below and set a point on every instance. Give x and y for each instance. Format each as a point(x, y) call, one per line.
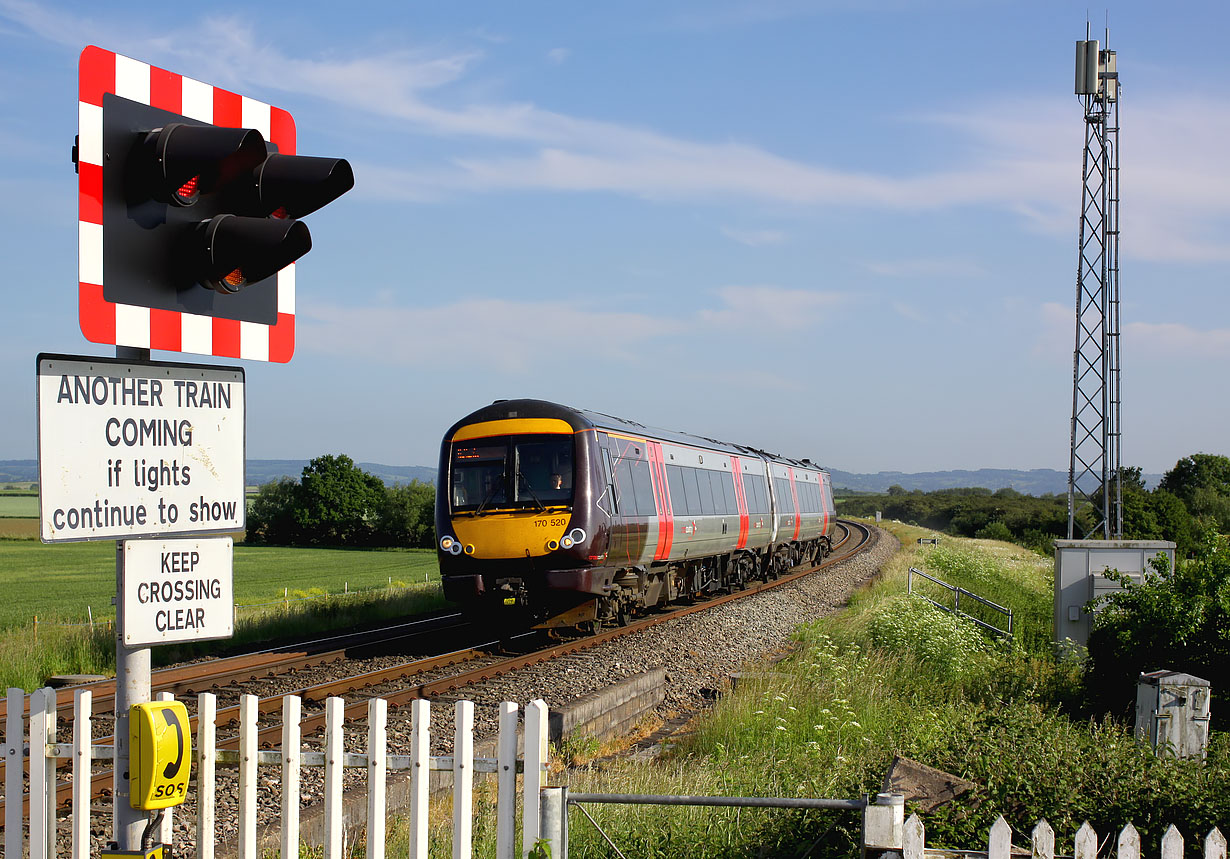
point(336, 503)
point(1177, 619)
point(896, 676)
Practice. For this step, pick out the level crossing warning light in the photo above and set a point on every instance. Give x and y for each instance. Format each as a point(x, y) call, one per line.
point(190, 198)
point(160, 754)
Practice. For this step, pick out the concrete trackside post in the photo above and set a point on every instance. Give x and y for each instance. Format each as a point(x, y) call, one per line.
point(884, 827)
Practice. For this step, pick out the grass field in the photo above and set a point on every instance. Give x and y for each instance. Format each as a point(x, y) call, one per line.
point(58, 582)
point(12, 505)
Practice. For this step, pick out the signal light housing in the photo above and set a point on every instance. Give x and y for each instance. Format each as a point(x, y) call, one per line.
point(179, 183)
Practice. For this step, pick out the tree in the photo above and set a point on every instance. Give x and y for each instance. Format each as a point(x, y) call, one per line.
point(1202, 482)
point(338, 503)
point(407, 517)
point(271, 518)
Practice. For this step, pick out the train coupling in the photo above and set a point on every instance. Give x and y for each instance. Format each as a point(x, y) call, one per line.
point(511, 592)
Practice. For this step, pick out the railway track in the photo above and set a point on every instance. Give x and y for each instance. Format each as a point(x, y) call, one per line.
point(473, 664)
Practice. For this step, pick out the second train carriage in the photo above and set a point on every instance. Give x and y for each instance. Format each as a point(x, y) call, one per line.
point(576, 517)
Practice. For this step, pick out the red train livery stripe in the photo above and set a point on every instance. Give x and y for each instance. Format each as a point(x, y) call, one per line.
point(661, 491)
point(794, 495)
point(741, 500)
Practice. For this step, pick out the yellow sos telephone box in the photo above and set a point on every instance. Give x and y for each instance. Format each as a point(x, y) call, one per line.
point(159, 753)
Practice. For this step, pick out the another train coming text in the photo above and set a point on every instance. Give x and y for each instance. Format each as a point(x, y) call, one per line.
point(567, 518)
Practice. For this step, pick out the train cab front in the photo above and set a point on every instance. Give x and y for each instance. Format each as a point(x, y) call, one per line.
point(513, 507)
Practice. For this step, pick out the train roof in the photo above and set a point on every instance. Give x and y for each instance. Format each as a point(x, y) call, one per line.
point(582, 419)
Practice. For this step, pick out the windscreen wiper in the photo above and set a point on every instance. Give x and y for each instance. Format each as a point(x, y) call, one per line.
point(478, 511)
point(530, 490)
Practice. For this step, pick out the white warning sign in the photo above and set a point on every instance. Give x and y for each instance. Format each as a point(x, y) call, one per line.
point(178, 590)
point(138, 449)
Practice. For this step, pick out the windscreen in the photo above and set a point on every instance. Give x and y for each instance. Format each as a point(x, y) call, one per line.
point(520, 471)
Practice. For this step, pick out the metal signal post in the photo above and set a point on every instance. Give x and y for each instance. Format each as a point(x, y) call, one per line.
point(1095, 501)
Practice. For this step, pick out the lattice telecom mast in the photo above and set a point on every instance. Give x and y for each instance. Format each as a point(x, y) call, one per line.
point(1095, 500)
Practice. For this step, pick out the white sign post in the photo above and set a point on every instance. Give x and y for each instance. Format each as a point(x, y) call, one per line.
point(138, 449)
point(177, 590)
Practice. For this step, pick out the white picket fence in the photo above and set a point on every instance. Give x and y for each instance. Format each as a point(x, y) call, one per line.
point(1042, 843)
point(290, 758)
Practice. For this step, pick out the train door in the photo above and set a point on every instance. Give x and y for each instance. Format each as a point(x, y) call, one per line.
point(617, 552)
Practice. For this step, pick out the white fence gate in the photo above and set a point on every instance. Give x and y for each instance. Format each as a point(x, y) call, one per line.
point(43, 751)
point(1042, 843)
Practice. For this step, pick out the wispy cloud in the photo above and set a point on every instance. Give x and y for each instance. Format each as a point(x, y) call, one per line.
point(1144, 340)
point(754, 238)
point(557, 56)
point(1176, 340)
point(782, 308)
point(504, 336)
point(1021, 155)
point(510, 336)
point(927, 267)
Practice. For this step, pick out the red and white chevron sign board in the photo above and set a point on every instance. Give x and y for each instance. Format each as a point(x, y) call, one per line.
point(102, 321)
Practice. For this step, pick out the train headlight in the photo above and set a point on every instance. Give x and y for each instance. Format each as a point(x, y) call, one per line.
point(552, 545)
point(447, 543)
point(577, 535)
point(469, 549)
point(565, 542)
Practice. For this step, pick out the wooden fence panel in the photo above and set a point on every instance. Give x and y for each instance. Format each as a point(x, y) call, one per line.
point(82, 766)
point(292, 760)
point(377, 766)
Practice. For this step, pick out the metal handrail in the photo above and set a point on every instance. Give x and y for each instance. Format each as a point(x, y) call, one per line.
point(957, 592)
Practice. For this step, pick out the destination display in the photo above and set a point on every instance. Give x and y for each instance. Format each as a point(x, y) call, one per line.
point(177, 590)
point(138, 449)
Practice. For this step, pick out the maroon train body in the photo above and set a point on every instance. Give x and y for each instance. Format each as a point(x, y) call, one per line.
point(578, 518)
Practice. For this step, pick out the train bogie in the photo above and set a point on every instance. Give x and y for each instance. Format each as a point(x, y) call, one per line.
point(574, 517)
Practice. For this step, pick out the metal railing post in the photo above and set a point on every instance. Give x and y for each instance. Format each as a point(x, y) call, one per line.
point(553, 821)
point(884, 826)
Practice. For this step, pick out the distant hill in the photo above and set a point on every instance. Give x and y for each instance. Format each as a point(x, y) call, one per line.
point(18, 470)
point(258, 471)
point(261, 471)
point(1036, 481)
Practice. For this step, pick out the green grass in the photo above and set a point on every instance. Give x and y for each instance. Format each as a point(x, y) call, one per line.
point(14, 506)
point(57, 582)
point(279, 593)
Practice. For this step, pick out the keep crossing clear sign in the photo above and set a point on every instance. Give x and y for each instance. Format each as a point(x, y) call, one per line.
point(177, 590)
point(144, 449)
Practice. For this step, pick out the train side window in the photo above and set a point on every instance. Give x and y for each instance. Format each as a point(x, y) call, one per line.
point(610, 481)
point(706, 492)
point(728, 489)
point(751, 483)
point(641, 485)
point(624, 486)
point(719, 497)
point(691, 491)
point(674, 479)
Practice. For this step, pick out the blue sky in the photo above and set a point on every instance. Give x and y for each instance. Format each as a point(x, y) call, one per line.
point(843, 230)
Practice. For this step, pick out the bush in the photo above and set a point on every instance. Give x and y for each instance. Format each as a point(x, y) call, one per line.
point(1176, 619)
point(994, 531)
point(950, 645)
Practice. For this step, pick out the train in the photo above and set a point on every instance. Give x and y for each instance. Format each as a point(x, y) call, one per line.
point(557, 517)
